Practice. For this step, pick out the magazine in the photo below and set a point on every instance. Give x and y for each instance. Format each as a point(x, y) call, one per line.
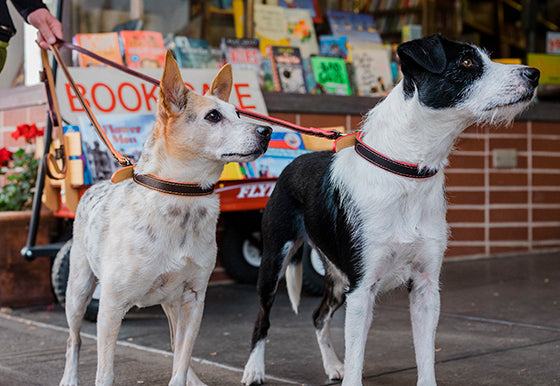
point(287, 69)
point(356, 26)
point(331, 45)
point(371, 68)
point(301, 32)
point(331, 74)
point(143, 49)
point(191, 53)
point(103, 44)
point(126, 132)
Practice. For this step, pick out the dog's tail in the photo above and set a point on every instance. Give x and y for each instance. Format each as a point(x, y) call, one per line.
point(294, 274)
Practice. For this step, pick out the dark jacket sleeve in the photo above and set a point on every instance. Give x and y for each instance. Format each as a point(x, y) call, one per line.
point(25, 7)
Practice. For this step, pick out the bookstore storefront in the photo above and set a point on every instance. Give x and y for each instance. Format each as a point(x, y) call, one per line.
point(314, 63)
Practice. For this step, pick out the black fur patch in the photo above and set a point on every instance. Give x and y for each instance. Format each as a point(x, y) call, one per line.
point(314, 204)
point(443, 71)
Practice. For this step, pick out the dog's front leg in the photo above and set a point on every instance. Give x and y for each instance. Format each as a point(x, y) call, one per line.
point(172, 313)
point(424, 313)
point(359, 313)
point(187, 325)
point(109, 321)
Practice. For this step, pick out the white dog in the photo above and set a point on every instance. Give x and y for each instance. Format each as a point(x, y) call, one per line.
point(375, 211)
point(152, 239)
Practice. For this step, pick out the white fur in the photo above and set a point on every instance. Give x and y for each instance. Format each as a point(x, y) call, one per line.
point(399, 223)
point(146, 247)
point(294, 274)
point(254, 369)
point(403, 218)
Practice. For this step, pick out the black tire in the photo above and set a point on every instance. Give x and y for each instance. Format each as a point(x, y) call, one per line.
point(241, 254)
point(59, 280)
point(313, 282)
point(59, 272)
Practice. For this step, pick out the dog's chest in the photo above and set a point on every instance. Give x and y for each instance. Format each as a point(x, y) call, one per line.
point(167, 248)
point(401, 229)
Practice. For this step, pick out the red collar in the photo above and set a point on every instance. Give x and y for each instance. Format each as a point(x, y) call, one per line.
point(372, 156)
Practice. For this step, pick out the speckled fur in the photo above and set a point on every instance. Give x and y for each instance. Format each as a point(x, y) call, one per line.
point(145, 247)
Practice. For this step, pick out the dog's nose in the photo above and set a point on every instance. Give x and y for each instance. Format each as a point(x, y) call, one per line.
point(532, 75)
point(264, 131)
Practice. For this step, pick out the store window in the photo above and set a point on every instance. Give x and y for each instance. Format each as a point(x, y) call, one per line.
point(169, 16)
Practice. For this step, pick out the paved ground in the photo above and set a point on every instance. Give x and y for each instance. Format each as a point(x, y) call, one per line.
point(500, 325)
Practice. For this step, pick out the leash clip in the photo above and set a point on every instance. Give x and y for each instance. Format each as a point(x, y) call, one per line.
point(59, 153)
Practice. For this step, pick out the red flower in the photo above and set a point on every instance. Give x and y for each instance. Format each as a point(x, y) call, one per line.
point(5, 156)
point(27, 131)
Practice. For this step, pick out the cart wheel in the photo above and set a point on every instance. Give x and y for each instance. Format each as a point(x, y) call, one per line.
point(313, 272)
point(241, 255)
point(59, 279)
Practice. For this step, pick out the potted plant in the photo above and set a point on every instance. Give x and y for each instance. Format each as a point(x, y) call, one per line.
point(22, 283)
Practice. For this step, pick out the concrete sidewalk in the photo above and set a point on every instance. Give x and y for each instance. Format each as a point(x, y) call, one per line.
point(500, 325)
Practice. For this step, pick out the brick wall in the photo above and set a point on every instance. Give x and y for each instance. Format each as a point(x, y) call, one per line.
point(491, 211)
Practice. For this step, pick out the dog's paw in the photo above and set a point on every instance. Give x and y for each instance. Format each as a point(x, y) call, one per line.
point(68, 381)
point(335, 371)
point(253, 376)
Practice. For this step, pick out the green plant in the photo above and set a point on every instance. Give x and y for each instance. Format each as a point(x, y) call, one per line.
point(20, 169)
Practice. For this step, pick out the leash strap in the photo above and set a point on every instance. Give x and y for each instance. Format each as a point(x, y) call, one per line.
point(121, 159)
point(53, 170)
point(107, 62)
point(329, 134)
point(374, 157)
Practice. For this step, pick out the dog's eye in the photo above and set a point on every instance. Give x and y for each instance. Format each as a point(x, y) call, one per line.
point(467, 62)
point(213, 116)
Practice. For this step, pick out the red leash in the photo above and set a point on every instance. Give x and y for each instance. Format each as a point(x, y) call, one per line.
point(329, 134)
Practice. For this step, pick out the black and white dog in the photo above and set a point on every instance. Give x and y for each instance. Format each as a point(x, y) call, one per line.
point(379, 223)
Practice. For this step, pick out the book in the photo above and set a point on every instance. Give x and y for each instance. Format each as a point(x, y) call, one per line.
point(270, 26)
point(287, 69)
point(284, 147)
point(301, 32)
point(309, 5)
point(243, 54)
point(143, 49)
point(126, 132)
point(355, 26)
point(371, 68)
point(411, 32)
point(331, 74)
point(103, 44)
point(238, 8)
point(331, 45)
point(191, 53)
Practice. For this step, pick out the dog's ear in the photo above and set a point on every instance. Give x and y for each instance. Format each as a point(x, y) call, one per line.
point(425, 54)
point(222, 83)
point(172, 87)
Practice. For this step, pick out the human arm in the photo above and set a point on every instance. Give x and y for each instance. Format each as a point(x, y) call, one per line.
point(36, 13)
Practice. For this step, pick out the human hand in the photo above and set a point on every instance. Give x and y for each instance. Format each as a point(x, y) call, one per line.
point(49, 27)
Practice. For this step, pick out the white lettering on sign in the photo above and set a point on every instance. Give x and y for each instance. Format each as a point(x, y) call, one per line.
point(107, 90)
point(255, 190)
